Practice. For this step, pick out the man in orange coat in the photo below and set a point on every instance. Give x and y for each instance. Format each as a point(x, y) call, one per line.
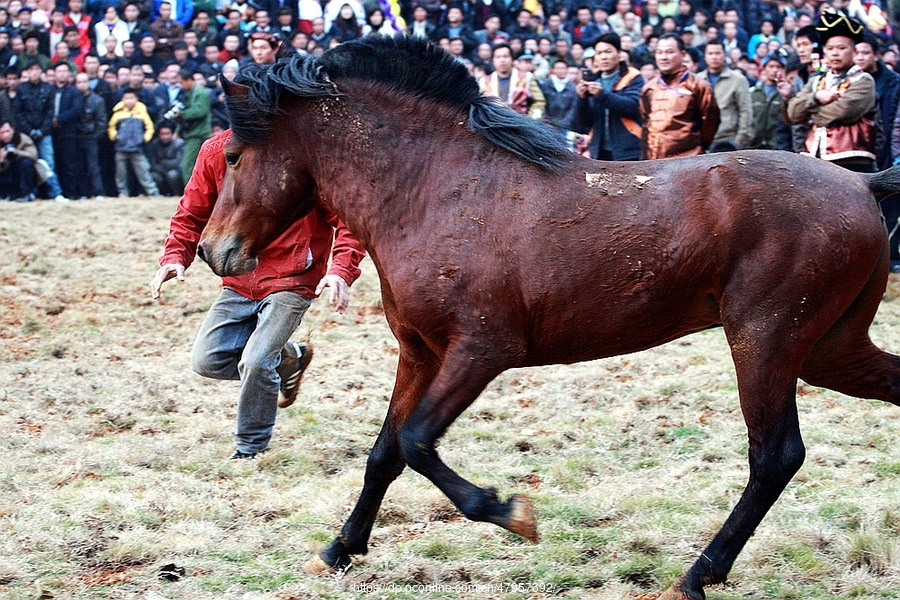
point(679, 111)
point(246, 333)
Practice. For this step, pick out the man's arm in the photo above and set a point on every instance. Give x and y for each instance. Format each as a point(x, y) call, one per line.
point(745, 112)
point(191, 216)
point(709, 114)
point(346, 255)
point(625, 102)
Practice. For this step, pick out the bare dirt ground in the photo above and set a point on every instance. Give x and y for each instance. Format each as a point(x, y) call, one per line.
point(115, 483)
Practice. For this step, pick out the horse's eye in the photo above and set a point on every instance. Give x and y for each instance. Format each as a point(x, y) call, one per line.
point(231, 158)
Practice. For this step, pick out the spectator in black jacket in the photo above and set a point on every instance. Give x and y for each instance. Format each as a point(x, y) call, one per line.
point(90, 130)
point(33, 109)
point(562, 99)
point(454, 27)
point(165, 153)
point(66, 122)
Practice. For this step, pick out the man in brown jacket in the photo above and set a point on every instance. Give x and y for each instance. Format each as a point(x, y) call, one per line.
point(679, 111)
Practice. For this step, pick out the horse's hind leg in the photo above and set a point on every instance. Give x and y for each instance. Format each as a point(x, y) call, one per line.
point(767, 383)
point(415, 372)
point(846, 360)
point(465, 373)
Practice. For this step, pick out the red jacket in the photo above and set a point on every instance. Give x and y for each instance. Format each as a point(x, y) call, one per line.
point(283, 264)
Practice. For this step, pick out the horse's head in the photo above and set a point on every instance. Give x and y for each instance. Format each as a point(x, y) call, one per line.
point(267, 187)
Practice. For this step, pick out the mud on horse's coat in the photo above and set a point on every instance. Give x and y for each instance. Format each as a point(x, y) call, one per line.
point(497, 249)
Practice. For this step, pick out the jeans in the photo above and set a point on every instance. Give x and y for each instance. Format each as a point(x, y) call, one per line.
point(45, 151)
point(241, 339)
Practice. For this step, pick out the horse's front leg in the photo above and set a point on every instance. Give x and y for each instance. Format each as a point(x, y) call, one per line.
point(415, 372)
point(465, 372)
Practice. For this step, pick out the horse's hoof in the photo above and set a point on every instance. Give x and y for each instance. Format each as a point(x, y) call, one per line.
point(316, 566)
point(521, 518)
point(677, 594)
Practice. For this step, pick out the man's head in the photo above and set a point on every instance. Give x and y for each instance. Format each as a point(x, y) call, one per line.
point(838, 34)
point(185, 78)
point(559, 69)
point(772, 68)
point(83, 83)
point(75, 6)
point(33, 71)
point(135, 77)
point(91, 65)
point(866, 56)
point(454, 15)
point(165, 11)
point(714, 55)
point(501, 58)
point(262, 48)
point(63, 74)
point(668, 54)
point(165, 134)
point(729, 30)
point(148, 44)
point(606, 53)
point(6, 133)
point(201, 20)
point(806, 43)
point(131, 12)
point(263, 20)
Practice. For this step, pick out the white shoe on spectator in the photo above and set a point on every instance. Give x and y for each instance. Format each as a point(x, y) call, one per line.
point(100, 198)
point(61, 198)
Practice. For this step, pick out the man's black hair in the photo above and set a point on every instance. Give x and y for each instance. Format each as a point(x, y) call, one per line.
point(673, 36)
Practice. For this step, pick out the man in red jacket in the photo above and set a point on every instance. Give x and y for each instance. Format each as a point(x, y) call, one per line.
point(246, 333)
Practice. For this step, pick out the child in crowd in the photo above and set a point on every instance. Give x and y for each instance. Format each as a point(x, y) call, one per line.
point(130, 127)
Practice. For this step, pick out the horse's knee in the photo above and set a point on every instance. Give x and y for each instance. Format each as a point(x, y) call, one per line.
point(385, 462)
point(416, 447)
point(778, 460)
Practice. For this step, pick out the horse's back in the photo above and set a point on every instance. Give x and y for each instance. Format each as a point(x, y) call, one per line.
point(638, 254)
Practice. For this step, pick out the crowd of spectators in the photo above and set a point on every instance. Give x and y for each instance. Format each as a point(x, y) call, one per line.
point(115, 97)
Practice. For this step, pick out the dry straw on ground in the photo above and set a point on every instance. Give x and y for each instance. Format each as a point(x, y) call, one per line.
point(115, 483)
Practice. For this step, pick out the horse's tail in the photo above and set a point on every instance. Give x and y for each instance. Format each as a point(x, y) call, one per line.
point(884, 183)
point(527, 138)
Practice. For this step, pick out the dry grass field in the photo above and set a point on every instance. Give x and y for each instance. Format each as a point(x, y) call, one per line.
point(113, 455)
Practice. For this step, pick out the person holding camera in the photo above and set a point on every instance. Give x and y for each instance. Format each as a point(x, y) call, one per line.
point(194, 120)
point(609, 105)
point(18, 156)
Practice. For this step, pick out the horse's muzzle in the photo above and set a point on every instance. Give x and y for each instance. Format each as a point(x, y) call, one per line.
point(227, 258)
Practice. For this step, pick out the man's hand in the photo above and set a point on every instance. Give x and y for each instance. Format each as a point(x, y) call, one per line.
point(785, 88)
point(165, 273)
point(588, 88)
point(827, 96)
point(339, 297)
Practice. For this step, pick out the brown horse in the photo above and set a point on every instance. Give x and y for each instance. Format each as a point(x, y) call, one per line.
point(496, 249)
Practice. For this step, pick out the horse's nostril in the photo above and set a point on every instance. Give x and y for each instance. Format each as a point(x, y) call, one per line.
point(201, 253)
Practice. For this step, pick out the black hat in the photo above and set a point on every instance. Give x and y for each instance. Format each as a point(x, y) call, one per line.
point(832, 24)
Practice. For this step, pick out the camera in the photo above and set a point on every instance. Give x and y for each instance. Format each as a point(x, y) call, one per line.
point(588, 75)
point(176, 107)
point(10, 148)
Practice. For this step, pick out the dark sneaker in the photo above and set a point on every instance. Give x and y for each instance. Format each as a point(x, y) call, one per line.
point(247, 455)
point(295, 357)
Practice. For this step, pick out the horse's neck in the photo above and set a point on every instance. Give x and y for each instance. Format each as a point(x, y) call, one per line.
point(376, 168)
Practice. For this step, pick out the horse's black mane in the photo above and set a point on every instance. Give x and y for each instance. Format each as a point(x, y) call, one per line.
point(404, 65)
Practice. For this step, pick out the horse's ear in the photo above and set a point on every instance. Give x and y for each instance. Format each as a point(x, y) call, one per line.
point(234, 90)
